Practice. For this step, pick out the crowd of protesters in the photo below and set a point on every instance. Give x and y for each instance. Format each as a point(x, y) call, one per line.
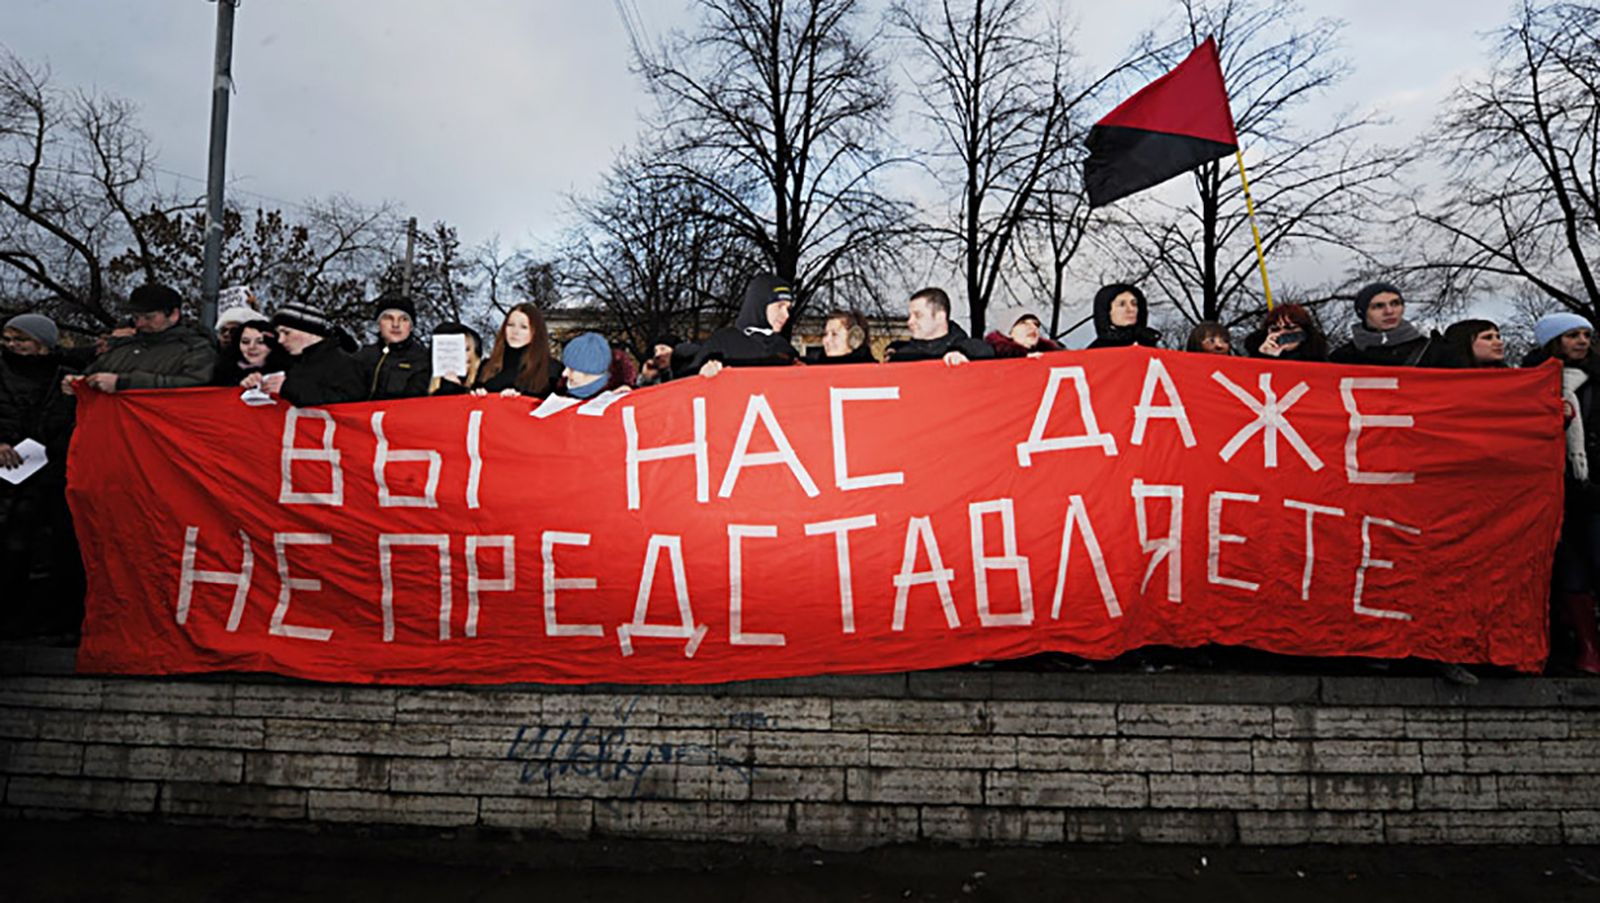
point(300, 355)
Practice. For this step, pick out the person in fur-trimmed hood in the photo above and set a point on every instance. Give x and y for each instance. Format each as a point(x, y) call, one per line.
point(1384, 337)
point(756, 338)
point(1569, 338)
point(1121, 317)
point(1025, 337)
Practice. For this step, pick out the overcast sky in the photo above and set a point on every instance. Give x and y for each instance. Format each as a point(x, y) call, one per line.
point(485, 113)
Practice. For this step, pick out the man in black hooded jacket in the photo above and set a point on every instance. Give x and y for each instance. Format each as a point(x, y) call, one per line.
point(756, 338)
point(398, 365)
point(1121, 318)
point(933, 335)
point(319, 372)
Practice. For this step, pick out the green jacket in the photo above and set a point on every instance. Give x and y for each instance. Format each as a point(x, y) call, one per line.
point(179, 356)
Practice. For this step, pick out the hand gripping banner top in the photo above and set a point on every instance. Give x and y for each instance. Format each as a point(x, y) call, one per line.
point(793, 521)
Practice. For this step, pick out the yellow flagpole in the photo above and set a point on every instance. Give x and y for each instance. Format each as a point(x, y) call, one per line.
point(1250, 205)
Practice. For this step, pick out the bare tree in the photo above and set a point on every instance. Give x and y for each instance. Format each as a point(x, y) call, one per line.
point(994, 81)
point(1316, 190)
point(778, 109)
point(656, 253)
point(1522, 144)
point(1052, 234)
point(75, 180)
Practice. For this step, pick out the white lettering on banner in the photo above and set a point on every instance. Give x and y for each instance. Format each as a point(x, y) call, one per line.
point(737, 533)
point(474, 457)
point(919, 530)
point(326, 454)
point(239, 581)
point(841, 465)
point(552, 583)
point(287, 585)
point(1216, 538)
point(1359, 421)
point(1270, 421)
point(386, 545)
point(1146, 410)
point(1367, 561)
point(1078, 514)
point(1091, 437)
point(1008, 560)
point(685, 629)
point(1168, 548)
point(841, 546)
point(476, 585)
point(758, 409)
point(380, 463)
point(695, 449)
point(1311, 544)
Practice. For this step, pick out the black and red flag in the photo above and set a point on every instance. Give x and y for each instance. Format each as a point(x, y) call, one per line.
point(1173, 124)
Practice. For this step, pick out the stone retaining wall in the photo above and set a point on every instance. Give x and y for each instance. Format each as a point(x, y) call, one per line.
point(963, 757)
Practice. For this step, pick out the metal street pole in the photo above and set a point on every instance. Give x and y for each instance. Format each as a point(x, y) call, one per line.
point(216, 172)
point(411, 250)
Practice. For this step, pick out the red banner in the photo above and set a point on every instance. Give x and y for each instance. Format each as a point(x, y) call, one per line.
point(777, 522)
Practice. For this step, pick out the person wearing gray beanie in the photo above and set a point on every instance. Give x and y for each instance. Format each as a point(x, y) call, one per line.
point(38, 327)
point(587, 359)
point(1384, 337)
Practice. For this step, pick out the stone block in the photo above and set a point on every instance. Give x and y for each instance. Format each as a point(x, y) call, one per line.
point(914, 785)
point(81, 794)
point(1066, 789)
point(1506, 828)
point(936, 752)
point(1234, 722)
point(795, 713)
point(473, 777)
point(692, 820)
point(1362, 792)
point(805, 748)
point(1457, 791)
point(1435, 724)
point(846, 826)
point(899, 716)
point(1366, 756)
point(168, 697)
point(20, 723)
point(216, 801)
point(814, 784)
point(359, 737)
point(40, 757)
point(1297, 828)
point(561, 817)
point(151, 729)
point(1281, 756)
point(313, 702)
point(164, 763)
point(1053, 718)
point(1580, 827)
point(1443, 756)
point(329, 771)
point(1147, 826)
point(363, 807)
point(77, 693)
point(1514, 724)
point(1229, 791)
point(604, 710)
point(950, 685)
point(1549, 791)
point(973, 825)
point(1337, 722)
point(1583, 724)
point(1531, 756)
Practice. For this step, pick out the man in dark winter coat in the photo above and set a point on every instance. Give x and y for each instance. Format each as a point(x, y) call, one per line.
point(658, 369)
point(164, 352)
point(398, 365)
point(35, 524)
point(756, 338)
point(933, 335)
point(1384, 337)
point(320, 372)
point(1121, 318)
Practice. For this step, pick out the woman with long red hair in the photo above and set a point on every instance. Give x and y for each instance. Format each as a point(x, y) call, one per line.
point(520, 362)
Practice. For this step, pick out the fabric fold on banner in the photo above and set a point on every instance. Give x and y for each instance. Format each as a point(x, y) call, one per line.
point(794, 521)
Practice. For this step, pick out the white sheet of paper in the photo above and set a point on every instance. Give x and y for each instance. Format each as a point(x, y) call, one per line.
point(33, 458)
point(554, 404)
point(450, 355)
point(597, 405)
point(255, 397)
